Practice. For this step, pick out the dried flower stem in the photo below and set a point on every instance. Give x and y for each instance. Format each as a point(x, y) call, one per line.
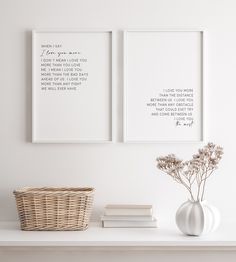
point(194, 173)
point(204, 185)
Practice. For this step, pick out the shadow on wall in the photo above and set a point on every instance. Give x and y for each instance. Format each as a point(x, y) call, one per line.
point(8, 204)
point(28, 86)
point(120, 80)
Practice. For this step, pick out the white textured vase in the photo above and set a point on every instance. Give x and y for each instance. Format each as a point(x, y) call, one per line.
point(195, 218)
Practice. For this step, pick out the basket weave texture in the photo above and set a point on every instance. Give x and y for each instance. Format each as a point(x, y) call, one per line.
point(55, 209)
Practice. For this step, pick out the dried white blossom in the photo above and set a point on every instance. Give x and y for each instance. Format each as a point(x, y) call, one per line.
point(193, 174)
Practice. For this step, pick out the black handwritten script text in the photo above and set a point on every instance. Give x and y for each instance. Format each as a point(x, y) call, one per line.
point(62, 70)
point(175, 104)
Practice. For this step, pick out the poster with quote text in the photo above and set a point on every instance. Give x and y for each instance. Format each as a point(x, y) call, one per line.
point(163, 86)
point(72, 86)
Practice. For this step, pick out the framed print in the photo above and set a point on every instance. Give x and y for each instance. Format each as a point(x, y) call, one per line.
point(163, 86)
point(72, 86)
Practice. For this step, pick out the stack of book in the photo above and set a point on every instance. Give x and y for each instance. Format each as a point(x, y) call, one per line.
point(128, 216)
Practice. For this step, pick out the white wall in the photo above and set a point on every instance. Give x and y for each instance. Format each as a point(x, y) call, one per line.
point(121, 173)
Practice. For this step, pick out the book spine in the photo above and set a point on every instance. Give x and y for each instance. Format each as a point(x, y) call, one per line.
point(127, 218)
point(128, 212)
point(128, 224)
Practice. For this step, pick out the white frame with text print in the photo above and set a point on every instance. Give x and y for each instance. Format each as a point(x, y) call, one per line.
point(157, 61)
point(81, 116)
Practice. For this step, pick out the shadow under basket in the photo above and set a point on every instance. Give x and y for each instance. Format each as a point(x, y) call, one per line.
point(53, 208)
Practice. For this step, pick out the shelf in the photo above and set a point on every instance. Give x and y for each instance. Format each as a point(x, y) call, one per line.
point(96, 237)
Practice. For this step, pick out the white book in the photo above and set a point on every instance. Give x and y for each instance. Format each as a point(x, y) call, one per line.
point(127, 218)
point(129, 224)
point(128, 210)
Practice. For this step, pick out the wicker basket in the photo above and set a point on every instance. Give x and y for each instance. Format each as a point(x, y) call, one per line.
point(54, 208)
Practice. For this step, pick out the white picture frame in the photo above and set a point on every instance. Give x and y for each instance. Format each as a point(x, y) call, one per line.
point(74, 108)
point(147, 56)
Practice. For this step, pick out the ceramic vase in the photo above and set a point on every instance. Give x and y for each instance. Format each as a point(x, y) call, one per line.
point(196, 218)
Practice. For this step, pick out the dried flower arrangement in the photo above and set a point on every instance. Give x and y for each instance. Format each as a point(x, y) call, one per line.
point(193, 174)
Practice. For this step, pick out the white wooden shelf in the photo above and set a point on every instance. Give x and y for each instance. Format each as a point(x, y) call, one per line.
point(96, 237)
